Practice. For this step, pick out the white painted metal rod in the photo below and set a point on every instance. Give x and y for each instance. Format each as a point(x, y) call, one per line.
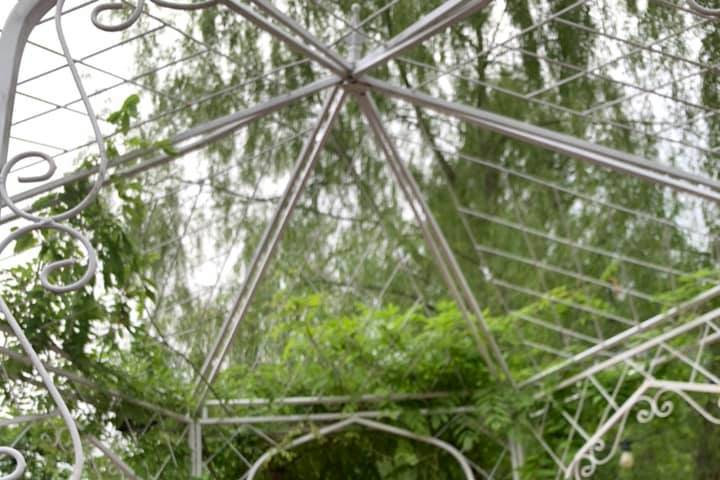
point(331, 399)
point(447, 14)
point(6, 422)
point(303, 170)
point(665, 175)
point(294, 26)
point(126, 470)
point(641, 348)
point(326, 417)
point(293, 43)
point(686, 386)
point(620, 338)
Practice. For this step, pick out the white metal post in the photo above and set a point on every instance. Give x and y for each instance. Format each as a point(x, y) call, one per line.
point(195, 442)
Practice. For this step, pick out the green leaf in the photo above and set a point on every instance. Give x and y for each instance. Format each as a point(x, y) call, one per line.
point(25, 242)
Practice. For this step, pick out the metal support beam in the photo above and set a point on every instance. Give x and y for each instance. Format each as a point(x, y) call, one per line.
point(204, 134)
point(304, 34)
point(517, 456)
point(624, 162)
point(296, 185)
point(114, 458)
point(626, 335)
point(436, 242)
point(332, 399)
point(329, 416)
point(300, 46)
point(447, 14)
point(195, 443)
point(8, 422)
point(641, 348)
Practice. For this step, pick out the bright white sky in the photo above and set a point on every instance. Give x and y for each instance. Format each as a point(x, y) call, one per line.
point(64, 129)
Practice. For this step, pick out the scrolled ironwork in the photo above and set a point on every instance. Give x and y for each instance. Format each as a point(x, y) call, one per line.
point(19, 463)
point(655, 408)
point(586, 462)
point(53, 223)
point(702, 10)
point(137, 12)
point(109, 7)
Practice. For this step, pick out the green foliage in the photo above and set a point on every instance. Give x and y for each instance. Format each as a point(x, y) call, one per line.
point(121, 118)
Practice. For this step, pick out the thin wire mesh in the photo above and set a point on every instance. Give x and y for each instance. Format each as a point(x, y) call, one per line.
point(526, 247)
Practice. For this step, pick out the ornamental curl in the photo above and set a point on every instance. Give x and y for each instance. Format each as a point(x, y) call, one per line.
point(655, 408)
point(137, 11)
point(587, 470)
point(587, 463)
point(20, 464)
point(104, 7)
point(702, 10)
point(592, 461)
point(48, 269)
point(52, 223)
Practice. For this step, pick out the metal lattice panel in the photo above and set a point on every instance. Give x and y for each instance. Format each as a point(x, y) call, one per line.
point(543, 305)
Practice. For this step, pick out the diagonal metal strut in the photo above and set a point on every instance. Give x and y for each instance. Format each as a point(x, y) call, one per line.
point(436, 242)
point(624, 162)
point(444, 16)
point(320, 54)
point(296, 185)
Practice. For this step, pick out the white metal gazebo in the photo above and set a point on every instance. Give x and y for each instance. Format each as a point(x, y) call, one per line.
point(561, 374)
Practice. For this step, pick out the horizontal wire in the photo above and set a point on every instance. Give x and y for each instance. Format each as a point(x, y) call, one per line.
point(56, 106)
point(560, 188)
point(546, 296)
point(568, 273)
point(565, 241)
point(167, 113)
point(606, 63)
point(35, 142)
point(548, 104)
point(146, 187)
point(85, 58)
point(600, 76)
point(107, 89)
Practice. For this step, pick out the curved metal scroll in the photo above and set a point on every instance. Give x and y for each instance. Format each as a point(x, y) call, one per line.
point(19, 25)
point(586, 460)
point(707, 11)
point(382, 427)
point(137, 11)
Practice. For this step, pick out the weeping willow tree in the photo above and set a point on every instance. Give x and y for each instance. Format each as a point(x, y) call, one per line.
point(463, 170)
